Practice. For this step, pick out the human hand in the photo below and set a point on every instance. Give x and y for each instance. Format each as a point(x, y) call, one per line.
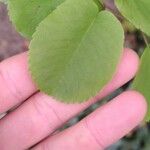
point(38, 116)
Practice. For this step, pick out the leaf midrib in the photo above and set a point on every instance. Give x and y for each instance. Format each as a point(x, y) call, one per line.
point(73, 53)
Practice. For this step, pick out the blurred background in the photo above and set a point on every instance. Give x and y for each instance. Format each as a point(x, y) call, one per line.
point(12, 43)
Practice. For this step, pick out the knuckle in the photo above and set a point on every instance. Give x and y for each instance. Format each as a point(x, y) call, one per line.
point(95, 134)
point(45, 110)
point(9, 84)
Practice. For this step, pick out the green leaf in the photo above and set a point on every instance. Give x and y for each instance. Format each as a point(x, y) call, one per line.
point(137, 12)
point(75, 50)
point(99, 4)
point(27, 14)
point(142, 80)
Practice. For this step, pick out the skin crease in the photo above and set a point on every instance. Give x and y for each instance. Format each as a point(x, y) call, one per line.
point(40, 115)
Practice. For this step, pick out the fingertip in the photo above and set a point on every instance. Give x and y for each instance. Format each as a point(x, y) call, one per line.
point(125, 71)
point(132, 62)
point(117, 118)
point(138, 103)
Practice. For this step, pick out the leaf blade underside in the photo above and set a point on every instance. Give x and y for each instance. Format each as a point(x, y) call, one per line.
point(137, 12)
point(73, 65)
point(27, 14)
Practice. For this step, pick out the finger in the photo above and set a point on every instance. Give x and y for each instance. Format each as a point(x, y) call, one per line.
point(101, 128)
point(16, 84)
point(126, 70)
point(41, 115)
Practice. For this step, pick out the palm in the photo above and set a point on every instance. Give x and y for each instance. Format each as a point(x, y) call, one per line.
point(39, 116)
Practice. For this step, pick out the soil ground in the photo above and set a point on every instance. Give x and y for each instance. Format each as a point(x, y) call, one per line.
point(11, 42)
